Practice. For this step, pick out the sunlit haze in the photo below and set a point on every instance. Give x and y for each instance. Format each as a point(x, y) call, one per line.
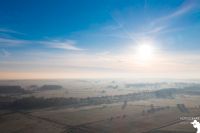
point(145, 52)
point(99, 39)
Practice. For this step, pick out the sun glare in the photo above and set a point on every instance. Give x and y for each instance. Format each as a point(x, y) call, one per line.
point(144, 52)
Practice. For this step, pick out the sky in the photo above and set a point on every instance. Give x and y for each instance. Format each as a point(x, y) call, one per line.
point(52, 39)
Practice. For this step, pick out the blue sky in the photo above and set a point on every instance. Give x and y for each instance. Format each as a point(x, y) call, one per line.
point(98, 38)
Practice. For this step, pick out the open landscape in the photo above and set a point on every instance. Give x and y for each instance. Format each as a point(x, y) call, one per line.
point(98, 106)
point(99, 66)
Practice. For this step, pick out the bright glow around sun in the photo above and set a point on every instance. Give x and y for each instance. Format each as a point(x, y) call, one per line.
point(144, 52)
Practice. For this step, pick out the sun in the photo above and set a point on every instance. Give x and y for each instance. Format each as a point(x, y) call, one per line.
point(145, 52)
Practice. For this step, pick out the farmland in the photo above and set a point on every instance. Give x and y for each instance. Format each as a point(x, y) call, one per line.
point(136, 107)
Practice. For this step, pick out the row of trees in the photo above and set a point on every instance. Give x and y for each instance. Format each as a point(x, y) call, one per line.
point(33, 102)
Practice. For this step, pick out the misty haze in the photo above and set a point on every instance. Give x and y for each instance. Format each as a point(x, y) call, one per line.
point(99, 66)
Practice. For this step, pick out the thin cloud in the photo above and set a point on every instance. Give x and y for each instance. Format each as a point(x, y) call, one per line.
point(4, 30)
point(58, 44)
point(12, 42)
point(5, 53)
point(185, 8)
point(178, 64)
point(161, 25)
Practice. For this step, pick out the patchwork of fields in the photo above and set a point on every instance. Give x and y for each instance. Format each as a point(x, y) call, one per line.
point(141, 108)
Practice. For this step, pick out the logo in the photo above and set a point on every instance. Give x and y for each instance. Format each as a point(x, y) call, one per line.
point(196, 125)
